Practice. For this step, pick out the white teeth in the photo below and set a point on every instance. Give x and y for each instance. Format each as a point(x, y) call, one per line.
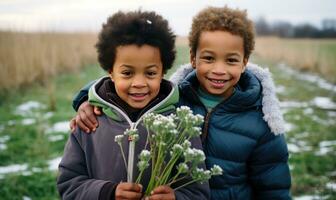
point(217, 81)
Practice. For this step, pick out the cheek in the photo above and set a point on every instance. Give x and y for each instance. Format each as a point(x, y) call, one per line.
point(155, 86)
point(120, 87)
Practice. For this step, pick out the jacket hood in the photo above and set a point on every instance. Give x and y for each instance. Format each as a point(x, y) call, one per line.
point(102, 94)
point(248, 87)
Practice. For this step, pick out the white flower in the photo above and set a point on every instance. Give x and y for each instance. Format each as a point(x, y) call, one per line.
point(118, 138)
point(131, 132)
point(145, 155)
point(216, 170)
point(177, 148)
point(186, 144)
point(142, 165)
point(194, 155)
point(195, 131)
point(182, 168)
point(201, 174)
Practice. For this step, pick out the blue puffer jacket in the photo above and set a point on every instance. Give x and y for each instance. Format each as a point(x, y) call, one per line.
point(236, 137)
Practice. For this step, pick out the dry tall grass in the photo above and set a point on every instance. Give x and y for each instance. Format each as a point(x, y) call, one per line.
point(27, 57)
point(316, 55)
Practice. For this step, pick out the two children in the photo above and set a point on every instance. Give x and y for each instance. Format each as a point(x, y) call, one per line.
point(235, 100)
point(136, 49)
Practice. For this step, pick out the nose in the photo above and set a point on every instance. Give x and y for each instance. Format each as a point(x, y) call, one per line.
point(219, 68)
point(139, 81)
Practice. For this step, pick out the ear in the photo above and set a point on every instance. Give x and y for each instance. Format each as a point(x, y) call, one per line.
point(192, 59)
point(244, 64)
point(111, 74)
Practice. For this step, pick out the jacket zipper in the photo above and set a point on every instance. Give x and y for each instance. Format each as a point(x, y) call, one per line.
point(131, 146)
point(207, 116)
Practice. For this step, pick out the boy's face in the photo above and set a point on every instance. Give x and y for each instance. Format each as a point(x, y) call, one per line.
point(219, 62)
point(137, 73)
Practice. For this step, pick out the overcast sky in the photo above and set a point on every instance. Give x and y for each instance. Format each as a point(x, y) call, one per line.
point(88, 15)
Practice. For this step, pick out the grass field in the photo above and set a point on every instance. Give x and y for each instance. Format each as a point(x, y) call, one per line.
point(314, 55)
point(31, 57)
point(34, 129)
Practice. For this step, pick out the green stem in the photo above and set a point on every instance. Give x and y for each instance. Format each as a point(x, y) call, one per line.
point(139, 177)
point(123, 155)
point(151, 184)
point(188, 183)
point(174, 180)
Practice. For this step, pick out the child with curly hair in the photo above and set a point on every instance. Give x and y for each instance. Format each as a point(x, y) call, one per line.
point(136, 49)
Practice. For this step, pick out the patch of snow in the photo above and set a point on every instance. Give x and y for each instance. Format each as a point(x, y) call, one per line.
point(48, 115)
point(2, 127)
point(322, 121)
point(280, 89)
point(293, 104)
point(309, 197)
point(324, 150)
point(3, 147)
point(291, 167)
point(331, 186)
point(293, 148)
point(11, 122)
point(54, 138)
point(27, 107)
point(26, 198)
point(13, 168)
point(308, 111)
point(4, 138)
point(324, 103)
point(301, 135)
point(331, 113)
point(53, 164)
point(28, 121)
point(327, 143)
point(299, 146)
point(322, 83)
point(289, 126)
point(59, 127)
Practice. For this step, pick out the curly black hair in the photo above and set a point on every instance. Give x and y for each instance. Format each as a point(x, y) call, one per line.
point(139, 28)
point(234, 21)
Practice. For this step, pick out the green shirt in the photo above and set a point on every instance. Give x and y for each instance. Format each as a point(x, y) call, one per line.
point(210, 101)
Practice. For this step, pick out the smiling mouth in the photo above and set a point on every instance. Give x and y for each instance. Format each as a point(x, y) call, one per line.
point(217, 83)
point(138, 96)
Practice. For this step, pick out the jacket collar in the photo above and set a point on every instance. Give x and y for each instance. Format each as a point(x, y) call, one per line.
point(245, 97)
point(102, 94)
point(269, 101)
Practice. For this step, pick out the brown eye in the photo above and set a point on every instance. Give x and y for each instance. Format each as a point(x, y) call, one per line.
point(208, 58)
point(151, 73)
point(126, 73)
point(232, 60)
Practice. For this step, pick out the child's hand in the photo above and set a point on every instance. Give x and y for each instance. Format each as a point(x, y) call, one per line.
point(162, 192)
point(128, 191)
point(86, 118)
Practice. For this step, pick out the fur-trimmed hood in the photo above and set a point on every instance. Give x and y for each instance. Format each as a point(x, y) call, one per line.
point(270, 102)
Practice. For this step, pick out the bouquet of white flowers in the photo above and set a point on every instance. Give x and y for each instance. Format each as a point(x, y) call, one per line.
point(168, 138)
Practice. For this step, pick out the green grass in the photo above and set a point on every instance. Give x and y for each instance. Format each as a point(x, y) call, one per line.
point(29, 144)
point(311, 172)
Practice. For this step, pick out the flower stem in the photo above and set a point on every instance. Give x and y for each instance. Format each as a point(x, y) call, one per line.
point(123, 155)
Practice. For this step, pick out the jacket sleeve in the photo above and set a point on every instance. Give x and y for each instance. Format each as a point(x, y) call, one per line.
point(195, 191)
point(268, 168)
point(81, 96)
point(73, 180)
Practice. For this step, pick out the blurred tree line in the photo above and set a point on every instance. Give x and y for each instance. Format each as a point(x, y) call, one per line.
point(286, 29)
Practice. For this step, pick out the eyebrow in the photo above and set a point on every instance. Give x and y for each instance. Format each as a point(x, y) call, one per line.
point(229, 54)
point(131, 66)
